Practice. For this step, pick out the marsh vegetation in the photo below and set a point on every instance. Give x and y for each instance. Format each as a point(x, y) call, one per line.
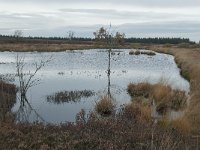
point(133, 126)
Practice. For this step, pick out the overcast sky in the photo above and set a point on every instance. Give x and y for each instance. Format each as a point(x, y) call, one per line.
point(136, 18)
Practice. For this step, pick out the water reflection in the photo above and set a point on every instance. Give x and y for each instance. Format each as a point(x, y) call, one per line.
point(25, 112)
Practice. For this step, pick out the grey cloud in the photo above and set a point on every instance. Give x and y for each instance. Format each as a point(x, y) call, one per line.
point(112, 13)
point(173, 29)
point(148, 3)
point(59, 15)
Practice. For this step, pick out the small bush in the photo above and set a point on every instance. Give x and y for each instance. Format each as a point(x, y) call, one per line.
point(105, 106)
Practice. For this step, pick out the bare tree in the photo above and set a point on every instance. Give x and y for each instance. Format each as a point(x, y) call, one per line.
point(70, 35)
point(27, 79)
point(18, 33)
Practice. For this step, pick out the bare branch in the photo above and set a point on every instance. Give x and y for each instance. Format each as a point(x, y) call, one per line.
point(27, 80)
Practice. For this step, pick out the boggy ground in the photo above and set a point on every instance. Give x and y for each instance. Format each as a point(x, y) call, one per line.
point(128, 129)
point(187, 58)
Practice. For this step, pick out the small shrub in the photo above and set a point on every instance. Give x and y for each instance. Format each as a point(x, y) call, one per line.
point(105, 106)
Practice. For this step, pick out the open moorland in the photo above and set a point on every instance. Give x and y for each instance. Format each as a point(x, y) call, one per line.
point(131, 127)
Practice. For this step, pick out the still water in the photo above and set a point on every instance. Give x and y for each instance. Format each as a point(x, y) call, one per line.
point(78, 78)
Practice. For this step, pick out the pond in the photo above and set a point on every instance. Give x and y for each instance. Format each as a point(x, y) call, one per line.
point(75, 80)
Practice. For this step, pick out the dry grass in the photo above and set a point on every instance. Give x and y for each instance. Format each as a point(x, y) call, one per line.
point(43, 47)
point(110, 134)
point(187, 58)
point(161, 92)
point(7, 101)
point(105, 106)
point(131, 128)
point(182, 125)
point(137, 112)
point(164, 97)
point(140, 89)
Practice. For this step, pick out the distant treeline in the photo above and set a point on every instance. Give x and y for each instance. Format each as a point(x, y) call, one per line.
point(14, 39)
point(49, 40)
point(159, 40)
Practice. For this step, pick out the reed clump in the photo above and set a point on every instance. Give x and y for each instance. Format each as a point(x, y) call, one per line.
point(138, 52)
point(140, 89)
point(105, 106)
point(162, 95)
point(187, 58)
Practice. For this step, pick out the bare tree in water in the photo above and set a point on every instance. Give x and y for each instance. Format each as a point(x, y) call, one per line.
point(27, 78)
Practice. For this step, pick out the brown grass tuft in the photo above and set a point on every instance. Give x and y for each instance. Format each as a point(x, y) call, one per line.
point(137, 112)
point(182, 125)
point(105, 106)
point(140, 89)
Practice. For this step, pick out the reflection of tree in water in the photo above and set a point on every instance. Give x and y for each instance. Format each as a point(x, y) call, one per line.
point(7, 101)
point(26, 111)
point(108, 73)
point(69, 96)
point(27, 80)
